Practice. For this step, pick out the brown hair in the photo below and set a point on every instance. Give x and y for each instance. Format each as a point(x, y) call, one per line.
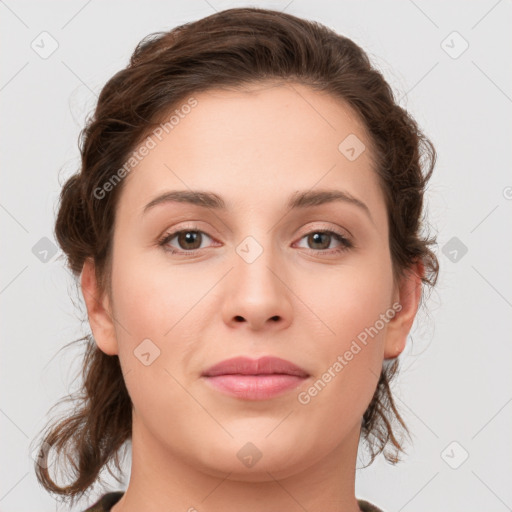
point(229, 49)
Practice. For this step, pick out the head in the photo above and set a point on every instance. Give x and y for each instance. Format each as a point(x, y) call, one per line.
point(271, 115)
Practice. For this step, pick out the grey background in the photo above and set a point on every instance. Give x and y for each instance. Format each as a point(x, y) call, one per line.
point(454, 389)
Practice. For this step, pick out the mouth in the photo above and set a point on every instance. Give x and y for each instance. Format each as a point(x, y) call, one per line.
point(251, 379)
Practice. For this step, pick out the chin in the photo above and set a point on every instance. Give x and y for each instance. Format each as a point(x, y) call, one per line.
point(252, 461)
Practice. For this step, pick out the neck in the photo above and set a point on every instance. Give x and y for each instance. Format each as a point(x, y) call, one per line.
point(165, 480)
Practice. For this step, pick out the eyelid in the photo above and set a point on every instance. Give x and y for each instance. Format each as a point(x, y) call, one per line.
point(345, 233)
point(168, 235)
point(191, 225)
point(346, 241)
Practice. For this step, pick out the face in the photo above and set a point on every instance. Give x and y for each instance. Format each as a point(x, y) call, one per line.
point(270, 271)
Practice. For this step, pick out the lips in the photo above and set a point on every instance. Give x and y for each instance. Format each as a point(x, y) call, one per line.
point(267, 365)
point(250, 379)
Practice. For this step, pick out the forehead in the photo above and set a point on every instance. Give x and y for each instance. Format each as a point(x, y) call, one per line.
point(259, 143)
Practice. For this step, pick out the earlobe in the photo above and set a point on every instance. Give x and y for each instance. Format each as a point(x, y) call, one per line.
point(98, 310)
point(408, 297)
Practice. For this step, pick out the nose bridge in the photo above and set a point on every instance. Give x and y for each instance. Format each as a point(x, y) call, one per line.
point(256, 264)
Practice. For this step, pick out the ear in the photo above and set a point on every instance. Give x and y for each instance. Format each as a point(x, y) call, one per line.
point(98, 309)
point(407, 299)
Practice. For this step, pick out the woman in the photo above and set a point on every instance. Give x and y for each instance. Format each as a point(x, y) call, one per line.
point(245, 227)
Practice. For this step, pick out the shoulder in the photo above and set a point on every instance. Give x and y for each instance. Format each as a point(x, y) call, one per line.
point(366, 506)
point(106, 502)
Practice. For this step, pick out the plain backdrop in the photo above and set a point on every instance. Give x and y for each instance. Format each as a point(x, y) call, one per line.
point(450, 65)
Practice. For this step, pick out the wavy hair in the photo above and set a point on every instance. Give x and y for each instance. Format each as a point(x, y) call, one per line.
point(229, 49)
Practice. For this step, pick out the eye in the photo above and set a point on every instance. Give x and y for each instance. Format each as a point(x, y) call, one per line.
point(321, 240)
point(189, 240)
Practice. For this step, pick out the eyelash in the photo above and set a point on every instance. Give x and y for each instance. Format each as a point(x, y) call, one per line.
point(346, 243)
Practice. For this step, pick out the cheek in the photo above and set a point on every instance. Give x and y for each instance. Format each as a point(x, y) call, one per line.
point(150, 300)
point(159, 312)
point(352, 308)
point(348, 299)
point(153, 308)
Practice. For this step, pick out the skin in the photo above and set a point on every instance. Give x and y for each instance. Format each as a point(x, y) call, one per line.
point(255, 148)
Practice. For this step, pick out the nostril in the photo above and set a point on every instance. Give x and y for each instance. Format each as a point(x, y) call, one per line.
point(239, 318)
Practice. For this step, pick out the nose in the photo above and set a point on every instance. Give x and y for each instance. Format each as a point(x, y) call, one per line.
point(257, 296)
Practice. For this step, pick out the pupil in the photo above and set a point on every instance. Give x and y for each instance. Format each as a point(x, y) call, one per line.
point(190, 237)
point(317, 239)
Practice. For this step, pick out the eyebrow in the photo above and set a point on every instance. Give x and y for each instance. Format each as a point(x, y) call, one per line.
point(298, 200)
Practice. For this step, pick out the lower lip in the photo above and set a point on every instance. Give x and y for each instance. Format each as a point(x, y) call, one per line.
point(254, 387)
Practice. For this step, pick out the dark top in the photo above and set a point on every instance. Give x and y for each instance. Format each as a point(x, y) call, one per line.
point(107, 501)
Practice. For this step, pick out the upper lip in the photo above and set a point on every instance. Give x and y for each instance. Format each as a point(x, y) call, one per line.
point(262, 366)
